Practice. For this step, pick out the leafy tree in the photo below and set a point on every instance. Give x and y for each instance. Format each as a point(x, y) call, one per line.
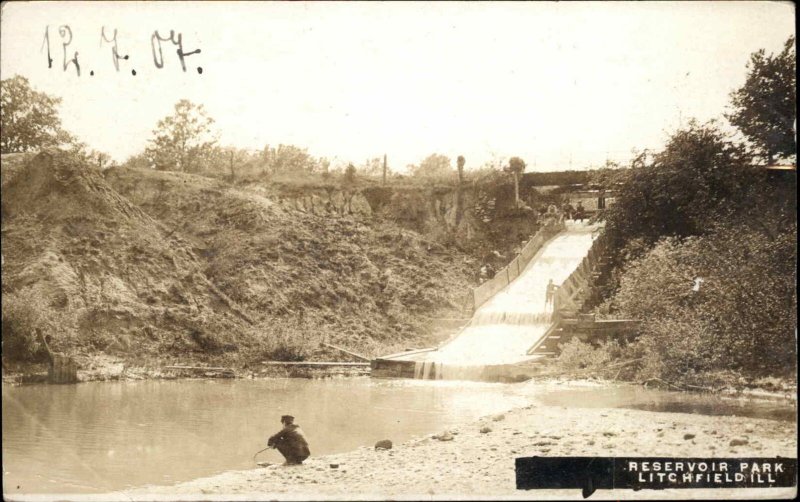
point(764, 107)
point(28, 119)
point(349, 175)
point(182, 141)
point(681, 191)
point(372, 167)
point(349, 183)
point(516, 166)
point(288, 159)
point(230, 162)
point(433, 166)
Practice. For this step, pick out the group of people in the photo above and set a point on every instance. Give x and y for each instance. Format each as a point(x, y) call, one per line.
point(578, 213)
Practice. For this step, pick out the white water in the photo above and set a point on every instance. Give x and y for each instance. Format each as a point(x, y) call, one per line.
point(507, 326)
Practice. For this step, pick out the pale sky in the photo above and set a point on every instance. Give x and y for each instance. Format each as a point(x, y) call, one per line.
point(562, 85)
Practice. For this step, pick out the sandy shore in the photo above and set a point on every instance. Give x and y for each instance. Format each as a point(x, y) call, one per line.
point(480, 465)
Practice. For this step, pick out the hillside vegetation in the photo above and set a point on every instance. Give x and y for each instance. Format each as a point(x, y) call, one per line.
point(153, 264)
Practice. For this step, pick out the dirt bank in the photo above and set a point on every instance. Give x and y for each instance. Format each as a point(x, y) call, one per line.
point(477, 464)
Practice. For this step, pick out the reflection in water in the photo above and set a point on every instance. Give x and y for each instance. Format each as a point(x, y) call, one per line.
point(640, 398)
point(97, 437)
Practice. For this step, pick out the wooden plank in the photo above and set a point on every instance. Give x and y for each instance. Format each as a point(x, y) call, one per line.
point(407, 353)
point(311, 363)
point(197, 368)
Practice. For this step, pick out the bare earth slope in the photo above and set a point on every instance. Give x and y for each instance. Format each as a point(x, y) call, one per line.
point(158, 264)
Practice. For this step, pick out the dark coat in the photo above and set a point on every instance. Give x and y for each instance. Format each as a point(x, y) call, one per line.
point(291, 442)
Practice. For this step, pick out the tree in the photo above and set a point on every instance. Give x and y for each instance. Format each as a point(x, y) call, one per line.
point(28, 119)
point(516, 166)
point(764, 107)
point(433, 166)
point(182, 141)
point(288, 159)
point(681, 192)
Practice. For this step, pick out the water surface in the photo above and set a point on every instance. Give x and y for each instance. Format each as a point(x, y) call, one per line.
point(106, 436)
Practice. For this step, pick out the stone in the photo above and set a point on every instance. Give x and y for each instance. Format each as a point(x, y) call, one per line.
point(444, 436)
point(383, 444)
point(334, 466)
point(689, 436)
point(485, 429)
point(499, 417)
point(738, 442)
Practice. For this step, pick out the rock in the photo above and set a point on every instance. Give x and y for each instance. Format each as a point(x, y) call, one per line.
point(485, 429)
point(749, 430)
point(383, 444)
point(499, 417)
point(334, 466)
point(444, 436)
point(609, 433)
point(689, 436)
point(738, 442)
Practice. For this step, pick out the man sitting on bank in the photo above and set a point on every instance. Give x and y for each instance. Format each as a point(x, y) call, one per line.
point(290, 441)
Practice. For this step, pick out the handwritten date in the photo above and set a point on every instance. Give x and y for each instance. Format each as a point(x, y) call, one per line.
point(108, 38)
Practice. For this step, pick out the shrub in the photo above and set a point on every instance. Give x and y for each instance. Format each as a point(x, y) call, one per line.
point(576, 355)
point(23, 313)
point(741, 317)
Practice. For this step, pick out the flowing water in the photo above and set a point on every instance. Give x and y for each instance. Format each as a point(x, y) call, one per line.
point(104, 436)
point(505, 327)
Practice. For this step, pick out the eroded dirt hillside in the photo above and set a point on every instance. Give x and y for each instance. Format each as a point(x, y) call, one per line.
point(143, 263)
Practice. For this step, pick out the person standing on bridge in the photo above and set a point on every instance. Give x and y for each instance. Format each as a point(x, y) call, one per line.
point(290, 442)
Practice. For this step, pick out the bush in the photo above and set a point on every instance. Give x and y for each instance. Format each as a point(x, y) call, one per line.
point(577, 355)
point(742, 317)
point(23, 313)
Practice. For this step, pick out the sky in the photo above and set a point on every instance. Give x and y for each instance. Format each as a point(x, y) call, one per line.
point(564, 85)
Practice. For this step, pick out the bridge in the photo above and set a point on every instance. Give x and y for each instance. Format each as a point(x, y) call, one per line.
point(513, 327)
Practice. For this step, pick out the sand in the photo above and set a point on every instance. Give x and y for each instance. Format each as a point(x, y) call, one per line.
point(480, 465)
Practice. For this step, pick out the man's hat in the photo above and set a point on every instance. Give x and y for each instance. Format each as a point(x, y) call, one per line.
point(287, 419)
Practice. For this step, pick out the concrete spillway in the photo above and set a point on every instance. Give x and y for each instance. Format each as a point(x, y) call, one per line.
point(505, 327)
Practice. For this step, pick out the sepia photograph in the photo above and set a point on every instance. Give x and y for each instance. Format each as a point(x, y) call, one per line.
point(405, 250)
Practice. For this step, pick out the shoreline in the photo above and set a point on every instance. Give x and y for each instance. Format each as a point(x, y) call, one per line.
point(480, 464)
point(478, 461)
point(115, 370)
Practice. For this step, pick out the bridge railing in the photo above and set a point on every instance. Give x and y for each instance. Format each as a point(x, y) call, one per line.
point(505, 275)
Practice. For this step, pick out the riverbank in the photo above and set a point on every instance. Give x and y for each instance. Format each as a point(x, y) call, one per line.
point(477, 459)
point(108, 368)
point(99, 368)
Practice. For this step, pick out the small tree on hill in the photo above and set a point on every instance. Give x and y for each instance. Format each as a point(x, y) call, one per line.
point(348, 185)
point(516, 166)
point(764, 107)
point(28, 119)
point(433, 166)
point(182, 141)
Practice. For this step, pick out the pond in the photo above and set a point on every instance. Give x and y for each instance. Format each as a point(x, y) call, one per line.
point(105, 436)
point(102, 436)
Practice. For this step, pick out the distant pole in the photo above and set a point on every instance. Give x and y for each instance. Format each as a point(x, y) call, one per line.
point(384, 168)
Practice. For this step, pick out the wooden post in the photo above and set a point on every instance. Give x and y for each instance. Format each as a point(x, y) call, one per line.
point(384, 168)
point(62, 370)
